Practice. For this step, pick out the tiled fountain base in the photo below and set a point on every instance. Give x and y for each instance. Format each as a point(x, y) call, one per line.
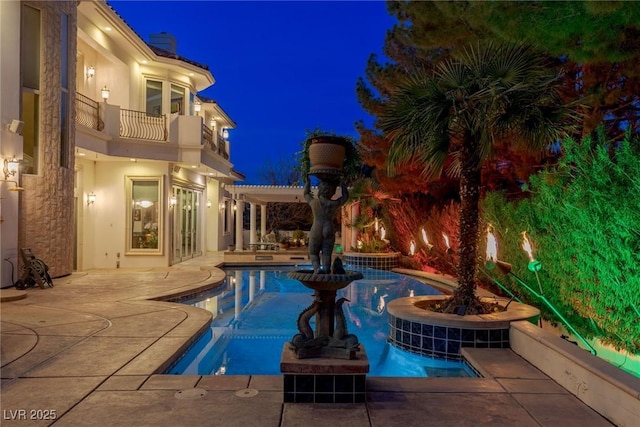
point(322, 380)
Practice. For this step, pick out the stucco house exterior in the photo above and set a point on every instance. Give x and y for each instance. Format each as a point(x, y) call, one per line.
point(121, 163)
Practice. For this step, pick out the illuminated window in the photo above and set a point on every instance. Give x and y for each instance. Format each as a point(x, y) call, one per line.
point(144, 216)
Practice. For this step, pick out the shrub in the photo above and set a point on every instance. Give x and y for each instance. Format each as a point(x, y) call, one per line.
point(583, 216)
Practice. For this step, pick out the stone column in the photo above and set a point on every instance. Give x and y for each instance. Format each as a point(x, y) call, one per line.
point(238, 214)
point(263, 220)
point(252, 223)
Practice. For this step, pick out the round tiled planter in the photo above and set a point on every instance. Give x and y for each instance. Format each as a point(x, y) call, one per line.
point(379, 261)
point(441, 335)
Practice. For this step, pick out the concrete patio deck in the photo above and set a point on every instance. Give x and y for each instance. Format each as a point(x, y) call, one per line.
point(91, 352)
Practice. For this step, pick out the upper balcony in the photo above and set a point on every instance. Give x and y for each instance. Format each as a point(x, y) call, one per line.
point(152, 110)
point(114, 131)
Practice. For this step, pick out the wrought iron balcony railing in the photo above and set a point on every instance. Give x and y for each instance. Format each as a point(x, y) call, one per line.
point(141, 125)
point(88, 112)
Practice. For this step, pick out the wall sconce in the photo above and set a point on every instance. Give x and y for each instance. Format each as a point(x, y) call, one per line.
point(105, 93)
point(91, 71)
point(208, 204)
point(197, 106)
point(213, 123)
point(91, 198)
point(225, 134)
point(11, 167)
point(173, 201)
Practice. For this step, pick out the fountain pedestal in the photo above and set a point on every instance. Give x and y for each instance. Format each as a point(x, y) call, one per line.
point(331, 338)
point(324, 380)
point(328, 365)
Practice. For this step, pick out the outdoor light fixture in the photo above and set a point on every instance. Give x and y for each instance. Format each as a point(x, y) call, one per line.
point(11, 167)
point(225, 134)
point(446, 242)
point(213, 123)
point(105, 93)
point(91, 71)
point(197, 106)
point(91, 198)
point(492, 260)
point(534, 265)
point(173, 201)
point(426, 240)
point(208, 204)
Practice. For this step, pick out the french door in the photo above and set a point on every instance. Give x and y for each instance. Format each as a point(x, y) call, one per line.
point(186, 224)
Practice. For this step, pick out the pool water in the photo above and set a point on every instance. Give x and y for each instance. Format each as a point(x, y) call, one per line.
point(255, 313)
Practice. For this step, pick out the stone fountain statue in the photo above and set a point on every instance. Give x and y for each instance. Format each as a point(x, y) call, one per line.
point(330, 338)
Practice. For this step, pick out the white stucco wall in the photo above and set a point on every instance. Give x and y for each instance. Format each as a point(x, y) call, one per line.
point(10, 144)
point(106, 218)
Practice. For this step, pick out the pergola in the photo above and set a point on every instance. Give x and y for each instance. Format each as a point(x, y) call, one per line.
point(260, 195)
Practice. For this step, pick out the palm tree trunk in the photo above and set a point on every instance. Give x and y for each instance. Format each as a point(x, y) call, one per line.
point(469, 218)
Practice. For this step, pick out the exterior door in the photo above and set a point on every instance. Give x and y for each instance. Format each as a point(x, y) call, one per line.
point(186, 224)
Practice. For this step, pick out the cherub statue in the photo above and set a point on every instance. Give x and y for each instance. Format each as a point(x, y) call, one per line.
point(322, 236)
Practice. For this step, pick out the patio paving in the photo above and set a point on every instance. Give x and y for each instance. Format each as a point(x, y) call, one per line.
point(91, 352)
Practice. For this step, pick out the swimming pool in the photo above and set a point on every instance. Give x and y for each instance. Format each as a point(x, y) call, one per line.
point(255, 312)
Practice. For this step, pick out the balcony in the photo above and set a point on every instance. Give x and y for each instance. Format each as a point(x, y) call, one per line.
point(114, 131)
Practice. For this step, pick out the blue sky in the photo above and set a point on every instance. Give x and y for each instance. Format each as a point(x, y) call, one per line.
point(281, 67)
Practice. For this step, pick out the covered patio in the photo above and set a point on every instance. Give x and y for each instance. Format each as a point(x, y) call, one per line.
point(259, 196)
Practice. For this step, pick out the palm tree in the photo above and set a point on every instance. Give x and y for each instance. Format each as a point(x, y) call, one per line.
point(449, 118)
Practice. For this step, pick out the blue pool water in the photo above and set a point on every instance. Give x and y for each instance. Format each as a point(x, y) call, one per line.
point(255, 313)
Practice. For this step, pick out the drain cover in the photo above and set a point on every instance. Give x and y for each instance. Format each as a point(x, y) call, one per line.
point(247, 392)
point(190, 393)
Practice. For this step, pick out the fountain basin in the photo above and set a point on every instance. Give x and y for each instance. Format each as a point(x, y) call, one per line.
point(325, 282)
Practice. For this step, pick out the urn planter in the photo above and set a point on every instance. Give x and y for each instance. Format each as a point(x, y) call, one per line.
point(326, 155)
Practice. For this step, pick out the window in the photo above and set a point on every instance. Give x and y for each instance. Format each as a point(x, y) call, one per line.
point(144, 215)
point(154, 97)
point(30, 70)
point(177, 99)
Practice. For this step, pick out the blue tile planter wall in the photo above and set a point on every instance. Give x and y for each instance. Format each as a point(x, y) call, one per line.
point(379, 261)
point(428, 333)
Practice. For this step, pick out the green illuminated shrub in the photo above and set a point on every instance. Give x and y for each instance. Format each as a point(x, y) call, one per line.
point(583, 216)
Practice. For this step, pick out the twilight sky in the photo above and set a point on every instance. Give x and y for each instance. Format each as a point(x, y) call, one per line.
point(281, 67)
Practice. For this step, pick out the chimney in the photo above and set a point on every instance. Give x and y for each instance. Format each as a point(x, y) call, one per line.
point(163, 41)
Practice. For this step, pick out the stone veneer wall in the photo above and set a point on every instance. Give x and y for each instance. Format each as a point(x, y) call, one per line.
point(46, 223)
